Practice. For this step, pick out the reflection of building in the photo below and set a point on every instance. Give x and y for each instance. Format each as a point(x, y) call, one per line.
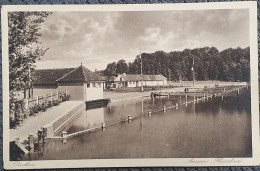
point(94, 117)
point(80, 83)
point(135, 80)
point(86, 119)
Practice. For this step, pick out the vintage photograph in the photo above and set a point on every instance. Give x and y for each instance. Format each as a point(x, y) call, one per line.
point(130, 82)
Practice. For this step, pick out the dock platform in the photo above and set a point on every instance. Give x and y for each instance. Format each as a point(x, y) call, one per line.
point(92, 104)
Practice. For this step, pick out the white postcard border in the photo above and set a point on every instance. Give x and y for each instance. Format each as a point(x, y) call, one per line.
point(90, 163)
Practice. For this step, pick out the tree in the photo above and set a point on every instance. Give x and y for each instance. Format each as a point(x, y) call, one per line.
point(135, 67)
point(110, 70)
point(23, 36)
point(210, 64)
point(121, 67)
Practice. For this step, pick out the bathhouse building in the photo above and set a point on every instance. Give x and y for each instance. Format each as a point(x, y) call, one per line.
point(80, 83)
point(135, 80)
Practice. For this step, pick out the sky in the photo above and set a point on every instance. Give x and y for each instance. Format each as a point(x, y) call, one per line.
point(99, 38)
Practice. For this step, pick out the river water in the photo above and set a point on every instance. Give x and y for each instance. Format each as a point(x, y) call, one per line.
point(210, 128)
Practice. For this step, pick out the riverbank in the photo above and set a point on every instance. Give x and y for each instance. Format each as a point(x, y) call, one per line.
point(130, 93)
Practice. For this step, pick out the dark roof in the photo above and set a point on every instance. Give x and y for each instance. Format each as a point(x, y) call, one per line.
point(49, 76)
point(55, 76)
point(108, 78)
point(138, 77)
point(80, 74)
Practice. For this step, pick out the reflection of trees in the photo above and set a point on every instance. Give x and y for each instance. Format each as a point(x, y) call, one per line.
point(238, 103)
point(232, 103)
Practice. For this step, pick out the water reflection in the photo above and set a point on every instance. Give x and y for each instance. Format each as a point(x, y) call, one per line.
point(86, 119)
point(212, 127)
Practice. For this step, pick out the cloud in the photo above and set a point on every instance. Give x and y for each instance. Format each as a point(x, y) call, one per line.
point(98, 38)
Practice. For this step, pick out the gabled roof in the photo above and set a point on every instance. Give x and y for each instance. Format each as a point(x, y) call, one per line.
point(49, 76)
point(80, 74)
point(138, 77)
point(55, 76)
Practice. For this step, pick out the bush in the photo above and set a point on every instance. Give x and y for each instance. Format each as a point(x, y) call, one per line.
point(37, 108)
point(56, 102)
point(65, 97)
point(31, 110)
point(49, 104)
point(44, 106)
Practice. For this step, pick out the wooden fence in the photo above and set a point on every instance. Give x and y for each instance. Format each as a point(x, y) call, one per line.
point(38, 100)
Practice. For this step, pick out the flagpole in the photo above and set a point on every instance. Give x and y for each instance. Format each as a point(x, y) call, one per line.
point(142, 88)
point(193, 75)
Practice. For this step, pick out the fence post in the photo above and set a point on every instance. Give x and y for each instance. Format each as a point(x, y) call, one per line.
point(149, 113)
point(164, 108)
point(129, 118)
point(26, 107)
point(103, 126)
point(44, 133)
point(51, 97)
point(31, 141)
point(44, 98)
point(40, 135)
point(37, 100)
point(64, 134)
point(26, 103)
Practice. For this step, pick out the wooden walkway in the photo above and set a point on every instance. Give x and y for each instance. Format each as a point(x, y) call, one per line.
point(199, 91)
point(33, 123)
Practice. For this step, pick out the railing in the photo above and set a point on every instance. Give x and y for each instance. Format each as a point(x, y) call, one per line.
point(39, 100)
point(29, 106)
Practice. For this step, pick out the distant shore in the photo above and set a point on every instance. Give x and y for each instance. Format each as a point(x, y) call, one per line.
point(130, 93)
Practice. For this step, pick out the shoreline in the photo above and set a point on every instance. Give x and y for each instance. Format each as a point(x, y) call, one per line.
point(119, 96)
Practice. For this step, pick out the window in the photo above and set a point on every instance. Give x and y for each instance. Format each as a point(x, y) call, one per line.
point(88, 85)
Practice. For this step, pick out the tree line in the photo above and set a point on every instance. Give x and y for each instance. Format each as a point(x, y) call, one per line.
point(209, 64)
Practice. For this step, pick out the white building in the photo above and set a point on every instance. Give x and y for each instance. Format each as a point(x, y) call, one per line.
point(136, 80)
point(80, 83)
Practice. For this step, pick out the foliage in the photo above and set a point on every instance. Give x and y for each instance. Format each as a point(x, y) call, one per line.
point(209, 64)
point(23, 37)
point(121, 67)
point(19, 112)
point(111, 69)
point(65, 97)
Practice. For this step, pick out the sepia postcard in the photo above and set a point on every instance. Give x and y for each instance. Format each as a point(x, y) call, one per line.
point(141, 85)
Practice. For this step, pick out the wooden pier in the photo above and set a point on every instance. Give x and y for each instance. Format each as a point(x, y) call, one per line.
point(198, 92)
